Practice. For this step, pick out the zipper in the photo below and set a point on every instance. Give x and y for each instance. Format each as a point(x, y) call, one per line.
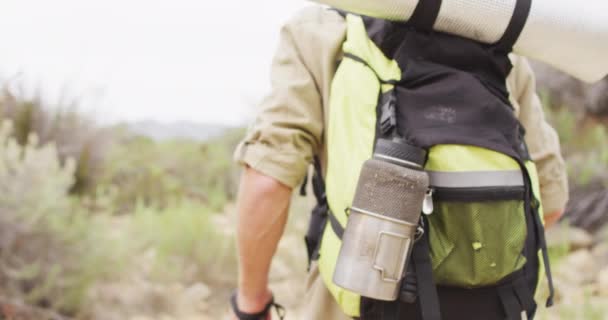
point(480, 193)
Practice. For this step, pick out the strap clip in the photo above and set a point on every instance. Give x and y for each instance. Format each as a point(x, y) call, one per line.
point(388, 109)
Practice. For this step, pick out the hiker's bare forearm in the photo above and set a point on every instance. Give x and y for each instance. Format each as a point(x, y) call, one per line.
point(262, 208)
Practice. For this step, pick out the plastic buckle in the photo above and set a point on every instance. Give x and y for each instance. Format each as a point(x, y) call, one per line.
point(388, 119)
point(419, 233)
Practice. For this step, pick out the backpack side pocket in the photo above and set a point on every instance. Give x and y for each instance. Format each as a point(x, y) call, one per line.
point(478, 228)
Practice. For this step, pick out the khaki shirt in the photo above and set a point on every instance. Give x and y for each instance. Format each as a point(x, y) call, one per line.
point(290, 122)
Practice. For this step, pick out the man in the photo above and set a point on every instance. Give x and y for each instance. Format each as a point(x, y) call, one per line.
point(289, 131)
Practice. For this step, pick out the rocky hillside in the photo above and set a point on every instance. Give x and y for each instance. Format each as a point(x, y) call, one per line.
point(176, 130)
point(580, 261)
point(567, 91)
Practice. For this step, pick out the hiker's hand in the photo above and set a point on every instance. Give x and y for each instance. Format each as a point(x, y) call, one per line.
point(552, 218)
point(253, 303)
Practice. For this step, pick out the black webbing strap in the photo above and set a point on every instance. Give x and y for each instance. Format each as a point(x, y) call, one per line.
point(304, 186)
point(425, 14)
point(541, 242)
point(335, 225)
point(318, 183)
point(510, 304)
point(318, 217)
point(540, 233)
point(316, 226)
point(390, 310)
point(428, 299)
point(516, 297)
point(524, 294)
point(409, 285)
point(516, 26)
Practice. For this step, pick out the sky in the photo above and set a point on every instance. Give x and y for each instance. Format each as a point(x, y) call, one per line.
point(130, 60)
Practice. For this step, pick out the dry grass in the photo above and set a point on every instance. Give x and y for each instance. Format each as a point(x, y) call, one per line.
point(75, 135)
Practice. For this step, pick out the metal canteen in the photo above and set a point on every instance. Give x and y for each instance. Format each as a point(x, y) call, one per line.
point(383, 221)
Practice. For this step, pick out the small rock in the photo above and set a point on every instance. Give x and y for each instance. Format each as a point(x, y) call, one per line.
point(156, 300)
point(601, 236)
point(198, 291)
point(602, 280)
point(173, 289)
point(600, 252)
point(192, 300)
point(574, 238)
point(578, 268)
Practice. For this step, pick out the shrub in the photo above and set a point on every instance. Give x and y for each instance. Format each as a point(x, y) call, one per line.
point(186, 244)
point(45, 241)
point(157, 173)
point(585, 147)
point(74, 135)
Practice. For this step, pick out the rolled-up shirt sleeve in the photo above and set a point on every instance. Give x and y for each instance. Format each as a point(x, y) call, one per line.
point(542, 139)
point(289, 121)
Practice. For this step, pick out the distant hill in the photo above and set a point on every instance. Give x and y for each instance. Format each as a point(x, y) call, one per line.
point(176, 130)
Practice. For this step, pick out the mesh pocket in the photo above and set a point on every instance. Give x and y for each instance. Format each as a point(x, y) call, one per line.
point(475, 244)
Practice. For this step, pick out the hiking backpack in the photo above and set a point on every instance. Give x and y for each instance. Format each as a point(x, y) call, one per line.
point(448, 95)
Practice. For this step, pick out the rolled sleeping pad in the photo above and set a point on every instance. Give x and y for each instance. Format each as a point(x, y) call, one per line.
point(572, 36)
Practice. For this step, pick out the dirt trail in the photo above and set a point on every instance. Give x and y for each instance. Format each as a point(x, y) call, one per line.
point(136, 296)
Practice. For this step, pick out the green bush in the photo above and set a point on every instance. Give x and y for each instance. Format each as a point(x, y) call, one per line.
point(115, 169)
point(46, 243)
point(185, 242)
point(74, 134)
point(62, 181)
point(564, 121)
point(140, 170)
point(585, 148)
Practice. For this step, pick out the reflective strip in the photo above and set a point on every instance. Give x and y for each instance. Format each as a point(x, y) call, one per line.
point(476, 179)
point(405, 162)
